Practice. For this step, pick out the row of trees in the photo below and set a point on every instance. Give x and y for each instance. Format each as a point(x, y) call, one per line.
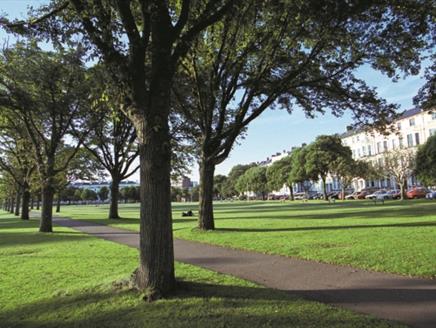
point(203, 68)
point(327, 156)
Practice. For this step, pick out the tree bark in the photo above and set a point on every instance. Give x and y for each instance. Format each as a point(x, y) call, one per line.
point(324, 188)
point(403, 188)
point(115, 195)
point(38, 201)
point(46, 224)
point(58, 203)
point(155, 274)
point(291, 192)
point(18, 203)
point(25, 205)
point(205, 217)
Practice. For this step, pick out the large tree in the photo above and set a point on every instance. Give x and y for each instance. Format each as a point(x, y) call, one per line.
point(299, 170)
point(294, 58)
point(426, 162)
point(45, 92)
point(141, 43)
point(347, 169)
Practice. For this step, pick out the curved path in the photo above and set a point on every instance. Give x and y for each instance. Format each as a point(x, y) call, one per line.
point(408, 300)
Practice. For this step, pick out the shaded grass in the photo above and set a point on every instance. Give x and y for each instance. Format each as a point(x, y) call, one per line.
point(54, 280)
point(397, 237)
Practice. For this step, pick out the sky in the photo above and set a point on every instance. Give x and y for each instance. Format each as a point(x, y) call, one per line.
point(276, 130)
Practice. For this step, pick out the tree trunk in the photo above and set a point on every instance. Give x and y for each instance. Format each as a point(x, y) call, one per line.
point(324, 188)
point(32, 202)
point(12, 206)
point(38, 201)
point(46, 224)
point(205, 216)
point(403, 188)
point(115, 195)
point(291, 192)
point(25, 206)
point(58, 203)
point(155, 274)
point(18, 203)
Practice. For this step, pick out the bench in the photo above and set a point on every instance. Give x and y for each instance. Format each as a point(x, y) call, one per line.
point(379, 199)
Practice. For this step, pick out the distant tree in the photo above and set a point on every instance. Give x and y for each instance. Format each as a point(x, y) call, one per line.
point(299, 170)
point(231, 185)
point(400, 164)
point(219, 185)
point(323, 155)
point(347, 169)
point(46, 93)
point(88, 195)
point(426, 162)
point(103, 193)
point(15, 160)
point(255, 180)
point(77, 195)
point(279, 175)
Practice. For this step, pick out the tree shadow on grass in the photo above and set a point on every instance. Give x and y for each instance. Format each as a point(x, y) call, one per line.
point(8, 239)
point(372, 213)
point(357, 226)
point(192, 305)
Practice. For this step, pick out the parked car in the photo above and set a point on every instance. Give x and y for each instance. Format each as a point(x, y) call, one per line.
point(394, 194)
point(417, 192)
point(299, 195)
point(431, 194)
point(362, 194)
point(379, 194)
point(333, 195)
point(353, 195)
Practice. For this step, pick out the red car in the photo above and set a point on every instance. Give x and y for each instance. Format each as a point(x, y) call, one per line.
point(416, 192)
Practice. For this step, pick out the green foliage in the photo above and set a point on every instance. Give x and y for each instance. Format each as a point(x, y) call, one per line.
point(299, 171)
point(231, 186)
point(279, 173)
point(103, 193)
point(88, 194)
point(426, 162)
point(254, 179)
point(219, 183)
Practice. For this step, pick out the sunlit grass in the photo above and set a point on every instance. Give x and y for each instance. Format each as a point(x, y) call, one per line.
point(65, 279)
point(398, 237)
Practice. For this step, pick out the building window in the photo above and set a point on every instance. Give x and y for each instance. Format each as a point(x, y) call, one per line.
point(378, 147)
point(432, 132)
point(385, 145)
point(412, 122)
point(369, 150)
point(417, 138)
point(393, 143)
point(399, 125)
point(363, 151)
point(433, 115)
point(410, 140)
point(357, 138)
point(358, 153)
point(400, 142)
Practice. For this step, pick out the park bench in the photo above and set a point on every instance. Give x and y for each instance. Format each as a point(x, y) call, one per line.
point(379, 199)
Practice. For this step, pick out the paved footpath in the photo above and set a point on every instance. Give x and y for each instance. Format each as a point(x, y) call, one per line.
point(407, 300)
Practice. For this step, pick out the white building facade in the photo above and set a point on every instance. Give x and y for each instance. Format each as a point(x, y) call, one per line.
point(412, 129)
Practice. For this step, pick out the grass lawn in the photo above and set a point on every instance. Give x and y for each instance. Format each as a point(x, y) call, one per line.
point(65, 279)
point(398, 237)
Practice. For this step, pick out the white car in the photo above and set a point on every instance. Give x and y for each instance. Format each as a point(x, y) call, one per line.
point(431, 194)
point(379, 194)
